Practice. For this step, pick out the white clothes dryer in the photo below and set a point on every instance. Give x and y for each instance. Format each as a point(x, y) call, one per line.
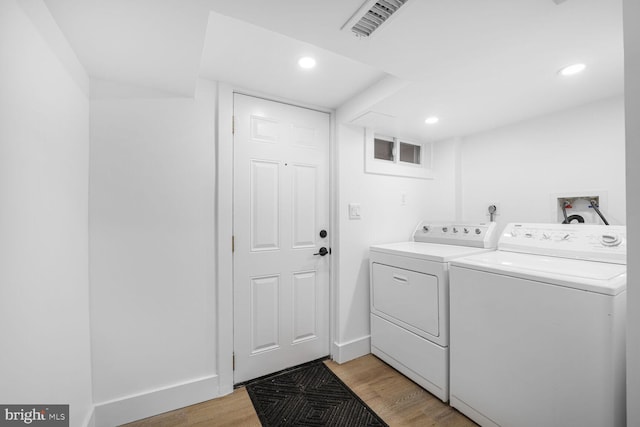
point(538, 328)
point(410, 299)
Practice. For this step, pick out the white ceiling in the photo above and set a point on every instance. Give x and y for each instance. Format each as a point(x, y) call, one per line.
point(149, 43)
point(475, 64)
point(266, 61)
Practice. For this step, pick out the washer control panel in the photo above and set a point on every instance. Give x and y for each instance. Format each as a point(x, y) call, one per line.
point(482, 235)
point(580, 241)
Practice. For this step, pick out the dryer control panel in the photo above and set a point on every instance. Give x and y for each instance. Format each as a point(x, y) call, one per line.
point(578, 241)
point(481, 235)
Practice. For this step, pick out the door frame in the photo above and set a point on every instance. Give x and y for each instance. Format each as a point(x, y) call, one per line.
point(224, 227)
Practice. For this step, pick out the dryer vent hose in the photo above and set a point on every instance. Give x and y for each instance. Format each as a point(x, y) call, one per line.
point(573, 218)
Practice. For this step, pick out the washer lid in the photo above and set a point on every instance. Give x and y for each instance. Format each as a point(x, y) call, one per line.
point(428, 251)
point(600, 277)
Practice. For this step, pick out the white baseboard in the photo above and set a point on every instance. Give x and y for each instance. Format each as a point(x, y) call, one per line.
point(343, 352)
point(132, 408)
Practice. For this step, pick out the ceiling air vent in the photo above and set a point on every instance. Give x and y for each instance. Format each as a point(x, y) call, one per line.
point(372, 15)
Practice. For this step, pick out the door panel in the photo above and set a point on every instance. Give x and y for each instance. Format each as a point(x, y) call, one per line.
point(265, 206)
point(264, 313)
point(305, 136)
point(264, 130)
point(304, 206)
point(281, 202)
point(305, 301)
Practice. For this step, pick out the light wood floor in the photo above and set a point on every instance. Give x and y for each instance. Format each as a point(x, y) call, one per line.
point(396, 399)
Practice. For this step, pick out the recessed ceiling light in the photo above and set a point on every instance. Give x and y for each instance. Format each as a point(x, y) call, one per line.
point(432, 120)
point(307, 62)
point(572, 69)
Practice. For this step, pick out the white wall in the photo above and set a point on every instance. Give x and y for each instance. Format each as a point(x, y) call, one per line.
point(44, 143)
point(632, 100)
point(384, 219)
point(152, 253)
point(522, 165)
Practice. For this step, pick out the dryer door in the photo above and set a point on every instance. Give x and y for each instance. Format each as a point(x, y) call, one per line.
point(406, 297)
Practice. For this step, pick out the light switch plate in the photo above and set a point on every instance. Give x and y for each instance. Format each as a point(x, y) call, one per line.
point(354, 211)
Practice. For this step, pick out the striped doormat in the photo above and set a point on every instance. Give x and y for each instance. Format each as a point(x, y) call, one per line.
point(309, 395)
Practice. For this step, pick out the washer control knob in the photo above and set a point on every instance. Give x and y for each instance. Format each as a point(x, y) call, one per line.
point(610, 240)
point(478, 231)
point(455, 230)
point(425, 229)
point(445, 229)
point(466, 231)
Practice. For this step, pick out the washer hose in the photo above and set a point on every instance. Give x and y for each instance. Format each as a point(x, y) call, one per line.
point(594, 205)
point(564, 212)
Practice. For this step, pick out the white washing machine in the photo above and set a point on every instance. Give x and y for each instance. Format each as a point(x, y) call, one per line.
point(410, 299)
point(538, 328)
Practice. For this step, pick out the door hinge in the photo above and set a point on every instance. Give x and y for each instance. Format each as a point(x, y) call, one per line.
point(233, 361)
point(233, 243)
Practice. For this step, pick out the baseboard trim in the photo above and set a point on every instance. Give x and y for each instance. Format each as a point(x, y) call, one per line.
point(344, 352)
point(136, 407)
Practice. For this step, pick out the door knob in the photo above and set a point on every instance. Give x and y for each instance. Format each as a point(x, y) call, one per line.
point(322, 252)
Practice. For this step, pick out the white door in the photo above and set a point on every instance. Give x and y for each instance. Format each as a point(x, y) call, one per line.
point(281, 205)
